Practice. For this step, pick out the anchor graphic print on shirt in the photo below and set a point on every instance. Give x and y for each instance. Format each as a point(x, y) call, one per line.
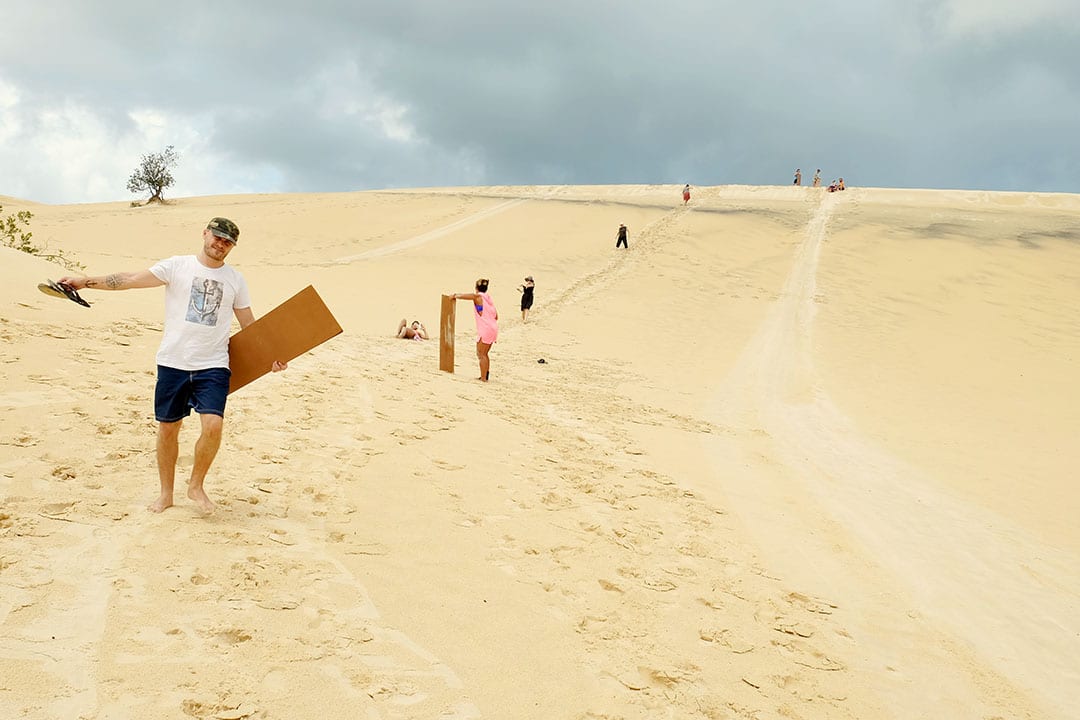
point(205, 302)
point(200, 304)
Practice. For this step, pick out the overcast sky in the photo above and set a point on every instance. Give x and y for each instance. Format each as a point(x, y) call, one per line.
point(271, 96)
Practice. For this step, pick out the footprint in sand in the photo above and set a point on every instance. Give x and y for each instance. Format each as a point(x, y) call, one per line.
point(23, 439)
point(57, 510)
point(809, 604)
point(802, 653)
point(794, 628)
point(63, 472)
point(727, 638)
point(226, 635)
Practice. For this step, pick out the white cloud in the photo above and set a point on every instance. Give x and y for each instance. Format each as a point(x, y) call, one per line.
point(9, 95)
point(342, 90)
point(58, 151)
point(9, 119)
point(68, 152)
point(986, 17)
point(392, 121)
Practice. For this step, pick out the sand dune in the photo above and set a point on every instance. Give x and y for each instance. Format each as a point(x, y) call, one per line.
point(792, 455)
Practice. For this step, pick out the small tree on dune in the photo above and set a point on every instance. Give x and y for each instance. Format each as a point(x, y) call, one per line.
point(153, 174)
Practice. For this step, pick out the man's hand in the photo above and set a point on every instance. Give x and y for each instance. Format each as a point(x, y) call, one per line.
point(278, 366)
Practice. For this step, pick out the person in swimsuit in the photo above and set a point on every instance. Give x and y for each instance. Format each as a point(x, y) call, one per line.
point(526, 291)
point(798, 177)
point(487, 323)
point(416, 331)
point(817, 178)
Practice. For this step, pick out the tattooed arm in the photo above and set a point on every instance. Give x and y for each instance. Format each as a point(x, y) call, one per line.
point(115, 281)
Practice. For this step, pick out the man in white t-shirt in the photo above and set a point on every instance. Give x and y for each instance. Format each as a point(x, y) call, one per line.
point(202, 294)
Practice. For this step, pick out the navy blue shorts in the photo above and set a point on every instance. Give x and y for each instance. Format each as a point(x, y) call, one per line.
point(179, 391)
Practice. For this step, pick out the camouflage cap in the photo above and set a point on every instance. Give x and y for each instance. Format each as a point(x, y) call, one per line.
point(224, 228)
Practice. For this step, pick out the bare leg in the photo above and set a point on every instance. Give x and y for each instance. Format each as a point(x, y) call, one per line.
point(168, 448)
point(485, 362)
point(401, 328)
point(206, 448)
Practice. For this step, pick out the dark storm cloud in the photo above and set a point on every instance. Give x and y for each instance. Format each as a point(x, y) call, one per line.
point(349, 95)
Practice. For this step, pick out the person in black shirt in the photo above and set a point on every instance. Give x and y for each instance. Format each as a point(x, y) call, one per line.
point(526, 291)
point(621, 238)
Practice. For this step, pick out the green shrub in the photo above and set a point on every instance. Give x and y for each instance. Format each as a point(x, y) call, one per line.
point(15, 233)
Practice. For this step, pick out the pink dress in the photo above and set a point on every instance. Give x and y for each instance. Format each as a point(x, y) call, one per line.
point(487, 320)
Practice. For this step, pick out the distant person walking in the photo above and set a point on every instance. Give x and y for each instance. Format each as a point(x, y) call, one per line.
point(487, 323)
point(620, 239)
point(526, 290)
point(817, 178)
point(686, 194)
point(798, 177)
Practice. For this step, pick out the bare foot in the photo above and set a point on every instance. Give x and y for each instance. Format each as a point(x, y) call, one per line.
point(163, 501)
point(198, 495)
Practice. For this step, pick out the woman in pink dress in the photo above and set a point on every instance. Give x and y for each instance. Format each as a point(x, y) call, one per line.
point(487, 323)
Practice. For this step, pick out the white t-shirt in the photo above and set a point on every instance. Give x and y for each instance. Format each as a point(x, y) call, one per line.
point(199, 305)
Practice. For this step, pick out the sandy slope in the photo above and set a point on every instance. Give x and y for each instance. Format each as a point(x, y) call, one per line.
point(791, 455)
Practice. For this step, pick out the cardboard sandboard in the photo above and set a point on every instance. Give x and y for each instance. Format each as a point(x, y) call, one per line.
point(288, 331)
point(447, 314)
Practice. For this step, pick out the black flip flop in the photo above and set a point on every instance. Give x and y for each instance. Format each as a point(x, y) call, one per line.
point(62, 290)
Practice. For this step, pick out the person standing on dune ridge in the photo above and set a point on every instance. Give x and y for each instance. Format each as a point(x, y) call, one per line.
point(620, 238)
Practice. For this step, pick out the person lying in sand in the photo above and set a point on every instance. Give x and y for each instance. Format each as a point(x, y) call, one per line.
point(415, 331)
